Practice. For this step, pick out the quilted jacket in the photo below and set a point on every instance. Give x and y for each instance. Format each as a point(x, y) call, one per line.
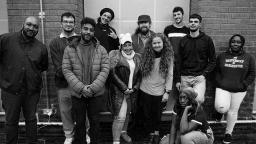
point(73, 68)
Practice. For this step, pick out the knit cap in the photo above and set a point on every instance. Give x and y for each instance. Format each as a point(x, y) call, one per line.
point(125, 38)
point(107, 10)
point(190, 92)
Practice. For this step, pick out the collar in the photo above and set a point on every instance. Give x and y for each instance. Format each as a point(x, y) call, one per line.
point(23, 39)
point(182, 24)
point(145, 36)
point(129, 57)
point(82, 42)
point(63, 35)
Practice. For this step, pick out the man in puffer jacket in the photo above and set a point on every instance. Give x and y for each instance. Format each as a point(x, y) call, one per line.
point(85, 65)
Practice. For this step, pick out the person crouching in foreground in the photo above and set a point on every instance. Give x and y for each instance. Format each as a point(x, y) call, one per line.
point(189, 125)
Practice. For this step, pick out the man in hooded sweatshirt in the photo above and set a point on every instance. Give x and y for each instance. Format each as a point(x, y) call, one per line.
point(196, 58)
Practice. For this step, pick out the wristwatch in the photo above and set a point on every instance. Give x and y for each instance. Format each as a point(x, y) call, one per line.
point(168, 91)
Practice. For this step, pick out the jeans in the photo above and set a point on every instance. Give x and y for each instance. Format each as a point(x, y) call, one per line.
point(12, 105)
point(65, 105)
point(228, 102)
point(198, 83)
point(197, 137)
point(121, 121)
point(91, 107)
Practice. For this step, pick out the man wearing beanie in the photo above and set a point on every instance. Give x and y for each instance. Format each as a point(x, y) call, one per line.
point(142, 33)
point(85, 66)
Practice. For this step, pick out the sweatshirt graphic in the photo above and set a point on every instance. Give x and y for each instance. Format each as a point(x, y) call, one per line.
point(234, 63)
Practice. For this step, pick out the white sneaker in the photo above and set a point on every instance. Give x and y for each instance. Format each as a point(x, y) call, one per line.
point(88, 139)
point(68, 140)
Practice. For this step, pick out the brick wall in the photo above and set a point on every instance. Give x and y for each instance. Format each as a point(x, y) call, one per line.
point(18, 10)
point(222, 19)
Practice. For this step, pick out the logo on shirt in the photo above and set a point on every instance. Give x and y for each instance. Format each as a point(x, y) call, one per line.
point(234, 63)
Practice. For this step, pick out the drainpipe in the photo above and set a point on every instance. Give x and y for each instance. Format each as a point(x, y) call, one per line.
point(42, 16)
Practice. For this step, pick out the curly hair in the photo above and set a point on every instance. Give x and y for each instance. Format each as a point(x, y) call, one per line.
point(148, 56)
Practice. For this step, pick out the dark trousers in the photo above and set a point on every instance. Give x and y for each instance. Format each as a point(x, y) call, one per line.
point(12, 105)
point(152, 108)
point(91, 106)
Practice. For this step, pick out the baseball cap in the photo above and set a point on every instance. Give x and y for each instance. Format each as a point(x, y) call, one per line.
point(144, 18)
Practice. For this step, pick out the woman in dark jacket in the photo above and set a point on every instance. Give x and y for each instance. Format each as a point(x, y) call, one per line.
point(105, 33)
point(125, 80)
point(235, 71)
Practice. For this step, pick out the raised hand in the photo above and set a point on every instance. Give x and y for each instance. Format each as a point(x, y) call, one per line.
point(112, 34)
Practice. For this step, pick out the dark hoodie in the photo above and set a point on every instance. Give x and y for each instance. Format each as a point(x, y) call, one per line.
point(197, 56)
point(235, 71)
point(102, 32)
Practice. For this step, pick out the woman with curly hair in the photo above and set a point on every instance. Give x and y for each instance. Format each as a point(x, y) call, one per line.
point(156, 83)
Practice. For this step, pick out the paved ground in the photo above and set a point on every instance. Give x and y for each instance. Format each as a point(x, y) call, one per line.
point(245, 133)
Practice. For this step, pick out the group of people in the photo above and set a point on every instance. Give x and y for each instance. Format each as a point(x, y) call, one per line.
point(137, 73)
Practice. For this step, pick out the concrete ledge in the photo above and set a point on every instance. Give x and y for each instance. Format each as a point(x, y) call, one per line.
point(210, 122)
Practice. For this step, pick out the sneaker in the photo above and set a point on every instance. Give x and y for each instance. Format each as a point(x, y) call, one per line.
point(68, 140)
point(126, 137)
point(88, 139)
point(227, 139)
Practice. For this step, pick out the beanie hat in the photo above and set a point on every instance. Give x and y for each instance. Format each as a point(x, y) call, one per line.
point(190, 92)
point(125, 38)
point(107, 10)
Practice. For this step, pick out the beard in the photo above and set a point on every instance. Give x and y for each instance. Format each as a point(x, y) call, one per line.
point(178, 21)
point(29, 33)
point(193, 30)
point(144, 30)
point(86, 38)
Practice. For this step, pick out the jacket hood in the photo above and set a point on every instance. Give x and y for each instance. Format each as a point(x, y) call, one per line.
point(201, 34)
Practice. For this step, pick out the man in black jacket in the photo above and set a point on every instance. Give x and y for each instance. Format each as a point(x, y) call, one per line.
point(196, 58)
point(57, 46)
point(22, 60)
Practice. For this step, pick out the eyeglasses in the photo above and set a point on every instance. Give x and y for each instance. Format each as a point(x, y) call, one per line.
point(68, 22)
